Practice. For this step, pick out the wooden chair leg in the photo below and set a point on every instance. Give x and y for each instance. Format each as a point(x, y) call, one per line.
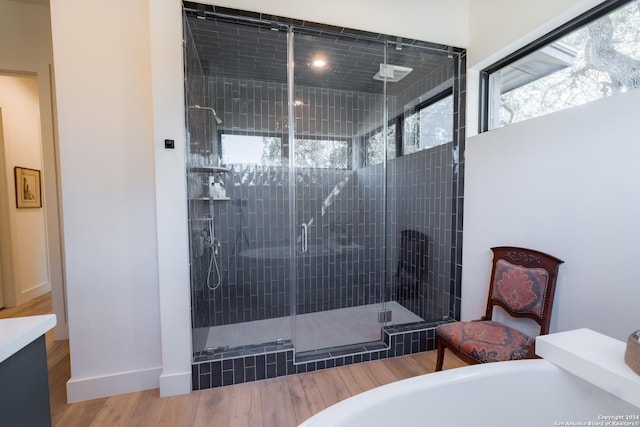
point(440, 358)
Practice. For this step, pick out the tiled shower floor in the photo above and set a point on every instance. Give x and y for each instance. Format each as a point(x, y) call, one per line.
point(313, 331)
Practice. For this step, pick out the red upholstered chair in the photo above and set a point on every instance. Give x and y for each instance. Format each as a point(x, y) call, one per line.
point(523, 283)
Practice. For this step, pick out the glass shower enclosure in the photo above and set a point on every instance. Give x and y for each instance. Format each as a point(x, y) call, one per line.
point(304, 152)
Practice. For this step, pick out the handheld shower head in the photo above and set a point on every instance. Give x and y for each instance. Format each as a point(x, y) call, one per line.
point(215, 115)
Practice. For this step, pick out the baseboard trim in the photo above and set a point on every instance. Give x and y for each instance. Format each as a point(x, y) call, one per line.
point(175, 384)
point(33, 292)
point(79, 389)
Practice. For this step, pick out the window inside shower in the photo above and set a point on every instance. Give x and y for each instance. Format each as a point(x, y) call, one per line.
point(268, 151)
point(430, 125)
point(251, 149)
point(324, 182)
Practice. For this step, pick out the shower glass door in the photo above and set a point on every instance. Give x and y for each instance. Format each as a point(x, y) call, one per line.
point(322, 176)
point(238, 175)
point(338, 208)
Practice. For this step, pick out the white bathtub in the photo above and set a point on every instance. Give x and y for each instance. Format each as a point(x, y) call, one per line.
point(533, 393)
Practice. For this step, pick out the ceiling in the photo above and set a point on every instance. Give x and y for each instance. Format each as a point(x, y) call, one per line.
point(239, 44)
point(257, 50)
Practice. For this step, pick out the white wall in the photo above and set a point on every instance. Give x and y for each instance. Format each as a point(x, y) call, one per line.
point(444, 22)
point(25, 47)
point(499, 27)
point(173, 250)
point(104, 101)
point(565, 184)
point(22, 147)
point(561, 183)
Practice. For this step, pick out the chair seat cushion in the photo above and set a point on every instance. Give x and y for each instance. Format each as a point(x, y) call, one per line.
point(487, 341)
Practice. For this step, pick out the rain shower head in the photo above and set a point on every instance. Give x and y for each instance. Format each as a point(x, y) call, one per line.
point(215, 115)
point(392, 73)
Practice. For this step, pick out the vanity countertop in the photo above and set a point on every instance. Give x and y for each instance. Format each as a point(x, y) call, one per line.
point(16, 333)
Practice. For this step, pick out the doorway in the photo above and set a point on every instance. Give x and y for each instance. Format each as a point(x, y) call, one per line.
point(30, 240)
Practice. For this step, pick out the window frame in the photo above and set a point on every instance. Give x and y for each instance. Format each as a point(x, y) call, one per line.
point(399, 120)
point(599, 11)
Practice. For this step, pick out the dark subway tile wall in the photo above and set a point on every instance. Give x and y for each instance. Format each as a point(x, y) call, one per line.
point(275, 363)
point(242, 369)
point(419, 194)
point(227, 49)
point(345, 266)
point(423, 88)
point(253, 227)
point(261, 107)
point(423, 202)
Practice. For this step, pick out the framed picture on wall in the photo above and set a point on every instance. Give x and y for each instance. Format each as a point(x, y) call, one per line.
point(28, 193)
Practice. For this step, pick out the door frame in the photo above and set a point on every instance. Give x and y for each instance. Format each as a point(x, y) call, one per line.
point(51, 198)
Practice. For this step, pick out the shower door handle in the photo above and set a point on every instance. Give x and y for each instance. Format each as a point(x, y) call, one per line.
point(303, 238)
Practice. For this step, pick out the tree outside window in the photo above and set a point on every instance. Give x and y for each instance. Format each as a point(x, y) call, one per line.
point(597, 60)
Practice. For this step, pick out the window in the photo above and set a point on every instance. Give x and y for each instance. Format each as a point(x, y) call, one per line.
point(594, 56)
point(430, 125)
point(374, 146)
point(249, 149)
point(317, 153)
point(270, 151)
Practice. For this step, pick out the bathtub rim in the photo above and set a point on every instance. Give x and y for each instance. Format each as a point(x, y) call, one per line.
point(363, 401)
point(337, 414)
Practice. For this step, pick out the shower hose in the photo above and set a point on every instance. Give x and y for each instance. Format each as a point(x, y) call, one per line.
point(213, 262)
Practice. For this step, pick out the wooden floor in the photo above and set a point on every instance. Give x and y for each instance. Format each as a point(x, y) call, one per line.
point(279, 402)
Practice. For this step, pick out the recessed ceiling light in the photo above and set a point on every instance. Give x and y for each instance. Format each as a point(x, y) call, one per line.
point(319, 63)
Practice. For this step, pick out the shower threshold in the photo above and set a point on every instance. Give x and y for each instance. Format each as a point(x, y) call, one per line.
point(278, 358)
point(313, 331)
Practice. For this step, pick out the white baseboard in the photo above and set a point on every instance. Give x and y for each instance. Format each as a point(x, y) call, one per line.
point(79, 389)
point(33, 292)
point(174, 384)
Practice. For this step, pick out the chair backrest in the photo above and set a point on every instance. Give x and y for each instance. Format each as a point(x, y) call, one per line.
point(523, 283)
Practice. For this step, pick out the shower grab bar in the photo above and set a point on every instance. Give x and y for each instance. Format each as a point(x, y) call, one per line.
point(303, 238)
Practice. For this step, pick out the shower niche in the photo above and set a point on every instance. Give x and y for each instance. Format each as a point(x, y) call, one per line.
point(312, 153)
